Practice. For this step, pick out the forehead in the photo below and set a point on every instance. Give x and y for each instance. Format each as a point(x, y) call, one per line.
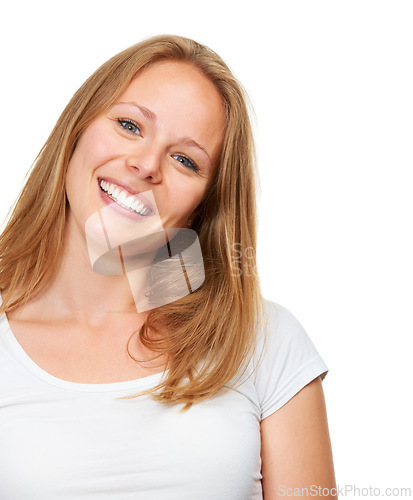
point(174, 77)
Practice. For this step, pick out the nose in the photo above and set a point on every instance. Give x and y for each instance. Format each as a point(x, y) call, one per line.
point(146, 165)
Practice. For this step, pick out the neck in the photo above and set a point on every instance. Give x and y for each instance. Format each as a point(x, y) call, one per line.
point(92, 298)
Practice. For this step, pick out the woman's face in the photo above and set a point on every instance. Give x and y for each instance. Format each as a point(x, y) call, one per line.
point(162, 136)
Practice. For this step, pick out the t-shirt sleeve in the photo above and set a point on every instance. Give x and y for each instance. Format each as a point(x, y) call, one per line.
point(288, 362)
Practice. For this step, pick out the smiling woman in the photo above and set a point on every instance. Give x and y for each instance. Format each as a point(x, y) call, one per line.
point(210, 393)
point(168, 143)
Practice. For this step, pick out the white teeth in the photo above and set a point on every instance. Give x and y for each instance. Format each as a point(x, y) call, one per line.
point(129, 201)
point(135, 205)
point(123, 199)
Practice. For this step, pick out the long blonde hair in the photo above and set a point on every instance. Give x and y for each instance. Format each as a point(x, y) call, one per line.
point(217, 325)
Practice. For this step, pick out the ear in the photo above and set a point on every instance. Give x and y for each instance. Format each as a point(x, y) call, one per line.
point(192, 217)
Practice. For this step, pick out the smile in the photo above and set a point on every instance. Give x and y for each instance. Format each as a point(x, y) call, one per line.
point(124, 198)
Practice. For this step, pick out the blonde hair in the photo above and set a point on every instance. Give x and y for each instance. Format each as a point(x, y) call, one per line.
point(216, 326)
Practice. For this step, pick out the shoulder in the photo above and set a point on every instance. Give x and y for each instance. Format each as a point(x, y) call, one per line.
point(281, 330)
point(285, 359)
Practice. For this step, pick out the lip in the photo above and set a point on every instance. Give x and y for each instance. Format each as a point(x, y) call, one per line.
point(129, 189)
point(133, 192)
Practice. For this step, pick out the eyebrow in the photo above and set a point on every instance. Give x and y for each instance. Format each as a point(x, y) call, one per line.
point(145, 111)
point(151, 116)
point(190, 142)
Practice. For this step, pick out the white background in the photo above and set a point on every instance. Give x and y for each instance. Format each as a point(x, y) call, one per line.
point(331, 83)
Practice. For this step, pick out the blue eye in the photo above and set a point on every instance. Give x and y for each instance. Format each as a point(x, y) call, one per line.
point(129, 125)
point(186, 162)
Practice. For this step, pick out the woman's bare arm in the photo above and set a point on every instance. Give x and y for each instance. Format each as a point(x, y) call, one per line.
point(296, 448)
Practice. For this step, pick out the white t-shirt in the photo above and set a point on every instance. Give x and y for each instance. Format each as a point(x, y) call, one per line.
point(71, 441)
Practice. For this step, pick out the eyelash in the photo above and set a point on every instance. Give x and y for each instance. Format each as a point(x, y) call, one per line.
point(121, 121)
point(193, 166)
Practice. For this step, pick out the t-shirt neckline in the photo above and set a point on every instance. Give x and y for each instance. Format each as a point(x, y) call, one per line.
point(25, 359)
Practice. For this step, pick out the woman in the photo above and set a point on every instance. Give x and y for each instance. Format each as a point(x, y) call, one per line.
point(115, 382)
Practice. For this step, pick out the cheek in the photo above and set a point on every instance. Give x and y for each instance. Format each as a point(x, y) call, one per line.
point(184, 200)
point(94, 147)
